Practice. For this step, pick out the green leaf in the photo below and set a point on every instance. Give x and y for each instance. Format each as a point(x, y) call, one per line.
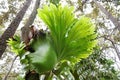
point(44, 57)
point(72, 38)
point(16, 45)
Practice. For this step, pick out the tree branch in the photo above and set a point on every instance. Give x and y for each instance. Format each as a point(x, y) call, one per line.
point(116, 49)
point(109, 15)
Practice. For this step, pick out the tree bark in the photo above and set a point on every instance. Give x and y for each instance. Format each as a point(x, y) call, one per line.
point(30, 75)
point(109, 15)
point(9, 32)
point(26, 31)
point(33, 14)
point(26, 28)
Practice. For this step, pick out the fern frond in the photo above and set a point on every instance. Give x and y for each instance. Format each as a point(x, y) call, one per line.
point(71, 38)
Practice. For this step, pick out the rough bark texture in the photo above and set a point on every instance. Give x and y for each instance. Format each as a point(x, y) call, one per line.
point(109, 15)
point(31, 75)
point(9, 32)
point(33, 14)
point(26, 30)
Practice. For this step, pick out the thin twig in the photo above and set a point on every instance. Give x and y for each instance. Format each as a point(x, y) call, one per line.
point(116, 49)
point(5, 78)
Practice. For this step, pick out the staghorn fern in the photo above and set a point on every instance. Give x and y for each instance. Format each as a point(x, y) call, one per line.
point(71, 38)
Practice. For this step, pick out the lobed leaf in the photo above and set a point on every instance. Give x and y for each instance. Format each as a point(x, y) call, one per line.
point(72, 38)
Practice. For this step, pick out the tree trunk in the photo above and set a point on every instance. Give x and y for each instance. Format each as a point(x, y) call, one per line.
point(9, 32)
point(33, 14)
point(30, 74)
point(26, 28)
point(109, 15)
